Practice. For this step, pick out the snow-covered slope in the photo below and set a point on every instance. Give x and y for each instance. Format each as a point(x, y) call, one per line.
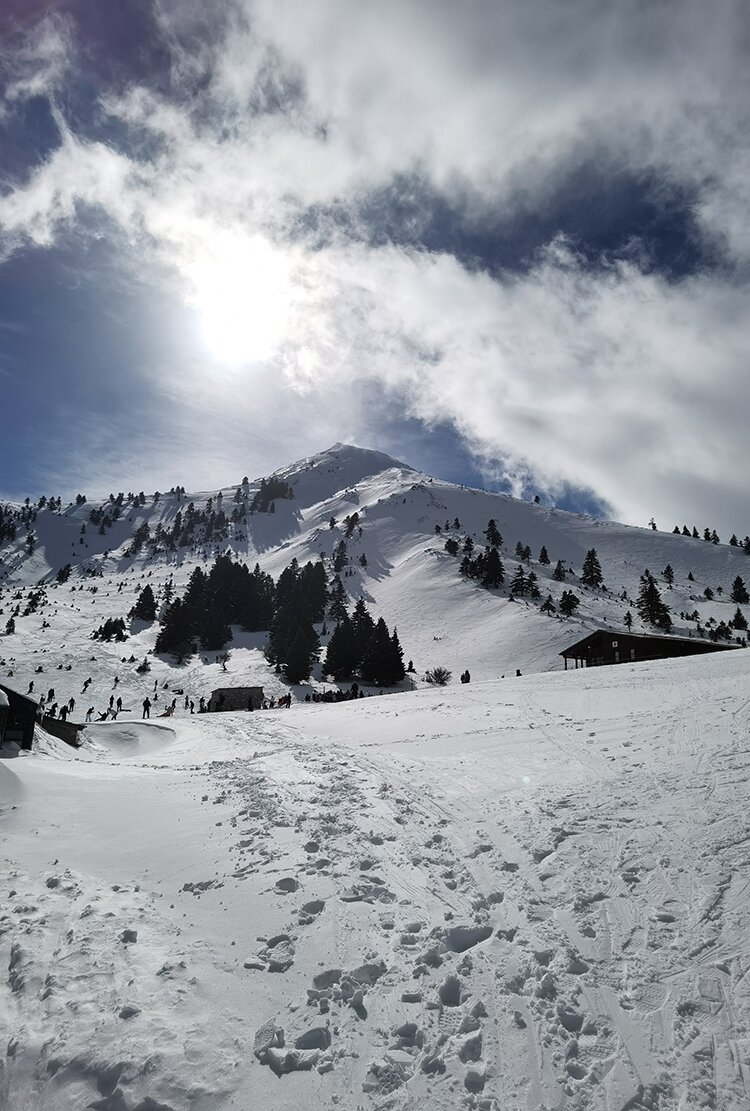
point(516, 894)
point(409, 578)
point(508, 895)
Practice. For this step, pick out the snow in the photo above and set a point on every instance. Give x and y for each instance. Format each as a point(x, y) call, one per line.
point(530, 892)
point(517, 893)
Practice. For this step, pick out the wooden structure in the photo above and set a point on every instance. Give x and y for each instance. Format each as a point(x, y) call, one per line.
point(606, 646)
point(21, 717)
point(236, 698)
point(64, 730)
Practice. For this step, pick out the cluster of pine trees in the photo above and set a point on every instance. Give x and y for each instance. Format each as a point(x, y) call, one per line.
point(301, 597)
point(359, 645)
point(270, 490)
point(711, 536)
point(228, 594)
point(111, 629)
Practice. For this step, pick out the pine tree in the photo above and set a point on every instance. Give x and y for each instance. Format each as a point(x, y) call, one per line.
point(451, 546)
point(340, 558)
point(518, 582)
point(651, 609)
point(337, 600)
point(377, 661)
point(591, 574)
point(548, 606)
point(468, 546)
point(302, 653)
point(708, 594)
point(493, 572)
point(494, 539)
point(532, 585)
point(176, 636)
point(569, 603)
point(733, 540)
point(363, 627)
point(145, 607)
point(341, 659)
point(739, 592)
point(668, 574)
point(544, 556)
point(397, 669)
point(739, 621)
point(559, 572)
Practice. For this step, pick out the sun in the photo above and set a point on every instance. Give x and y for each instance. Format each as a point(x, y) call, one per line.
point(241, 289)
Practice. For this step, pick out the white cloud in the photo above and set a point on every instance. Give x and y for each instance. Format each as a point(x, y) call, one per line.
point(607, 377)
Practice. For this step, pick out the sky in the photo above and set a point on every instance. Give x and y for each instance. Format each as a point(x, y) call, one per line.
point(508, 242)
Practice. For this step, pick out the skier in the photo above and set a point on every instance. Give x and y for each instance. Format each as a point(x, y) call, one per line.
point(89, 713)
point(147, 707)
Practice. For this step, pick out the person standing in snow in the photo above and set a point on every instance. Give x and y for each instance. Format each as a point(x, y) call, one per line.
point(89, 713)
point(71, 704)
point(119, 704)
point(147, 707)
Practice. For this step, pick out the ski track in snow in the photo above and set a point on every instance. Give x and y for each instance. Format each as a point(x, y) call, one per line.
point(361, 915)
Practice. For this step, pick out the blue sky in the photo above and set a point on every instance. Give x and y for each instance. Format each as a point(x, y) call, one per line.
point(507, 243)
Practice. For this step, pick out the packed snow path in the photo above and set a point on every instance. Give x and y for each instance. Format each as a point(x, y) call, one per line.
point(524, 894)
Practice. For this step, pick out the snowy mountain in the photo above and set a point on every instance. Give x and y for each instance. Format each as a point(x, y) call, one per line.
point(443, 618)
point(519, 893)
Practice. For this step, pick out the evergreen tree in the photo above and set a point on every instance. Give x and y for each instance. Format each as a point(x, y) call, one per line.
point(302, 653)
point(145, 607)
point(733, 540)
point(739, 621)
point(668, 574)
point(337, 600)
point(494, 539)
point(378, 660)
point(532, 585)
point(213, 629)
point(518, 582)
point(397, 669)
point(493, 572)
point(363, 628)
point(559, 572)
point(651, 609)
point(10, 626)
point(468, 546)
point(544, 556)
point(451, 546)
point(592, 571)
point(685, 531)
point(739, 592)
point(176, 636)
point(708, 594)
point(569, 603)
point(340, 558)
point(695, 534)
point(341, 657)
point(548, 606)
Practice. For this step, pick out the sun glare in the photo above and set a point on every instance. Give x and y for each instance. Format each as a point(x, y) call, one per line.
point(241, 290)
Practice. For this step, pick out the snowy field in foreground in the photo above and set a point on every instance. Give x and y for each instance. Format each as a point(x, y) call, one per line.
point(520, 894)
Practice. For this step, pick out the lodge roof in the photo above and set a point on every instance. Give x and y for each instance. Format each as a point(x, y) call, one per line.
point(647, 638)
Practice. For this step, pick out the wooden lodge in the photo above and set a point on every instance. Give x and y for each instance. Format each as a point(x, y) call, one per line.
point(21, 716)
point(605, 646)
point(236, 698)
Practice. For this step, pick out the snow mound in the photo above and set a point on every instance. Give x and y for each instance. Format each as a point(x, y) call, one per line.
point(127, 739)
